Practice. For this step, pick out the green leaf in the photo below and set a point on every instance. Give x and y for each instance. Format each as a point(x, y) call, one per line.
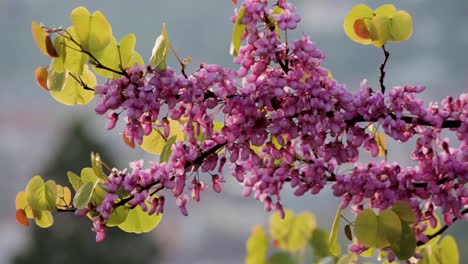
point(96, 164)
point(237, 32)
point(333, 239)
point(405, 247)
point(390, 224)
point(73, 92)
point(118, 216)
point(43, 218)
point(74, 180)
point(256, 246)
point(293, 232)
point(40, 195)
point(404, 211)
point(167, 149)
point(319, 244)
point(138, 221)
point(83, 195)
point(93, 30)
point(366, 228)
point(281, 258)
point(448, 250)
point(160, 51)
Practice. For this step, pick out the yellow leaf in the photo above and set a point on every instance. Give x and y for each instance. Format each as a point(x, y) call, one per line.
point(380, 139)
point(154, 142)
point(385, 10)
point(22, 203)
point(63, 197)
point(361, 13)
point(73, 92)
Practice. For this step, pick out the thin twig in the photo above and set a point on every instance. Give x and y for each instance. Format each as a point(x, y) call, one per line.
point(382, 69)
point(441, 230)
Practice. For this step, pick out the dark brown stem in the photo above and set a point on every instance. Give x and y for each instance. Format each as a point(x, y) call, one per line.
point(93, 59)
point(382, 69)
point(410, 120)
point(441, 230)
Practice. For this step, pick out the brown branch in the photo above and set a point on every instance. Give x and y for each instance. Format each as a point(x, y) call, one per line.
point(441, 230)
point(382, 69)
point(409, 120)
point(93, 59)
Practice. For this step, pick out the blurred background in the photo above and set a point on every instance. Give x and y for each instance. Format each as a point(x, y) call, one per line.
point(41, 136)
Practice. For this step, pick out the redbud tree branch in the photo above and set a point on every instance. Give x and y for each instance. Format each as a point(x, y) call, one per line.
point(382, 69)
point(441, 230)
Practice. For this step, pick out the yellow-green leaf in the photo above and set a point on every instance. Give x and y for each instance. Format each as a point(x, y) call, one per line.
point(126, 48)
point(93, 30)
point(401, 26)
point(83, 195)
point(380, 30)
point(333, 239)
point(118, 216)
point(281, 258)
point(155, 142)
point(56, 81)
point(256, 246)
point(404, 211)
point(390, 224)
point(448, 250)
point(96, 164)
point(138, 221)
point(160, 51)
point(366, 228)
point(40, 195)
point(319, 243)
point(294, 231)
point(73, 92)
point(74, 180)
point(74, 59)
point(237, 32)
point(43, 218)
point(405, 247)
point(167, 149)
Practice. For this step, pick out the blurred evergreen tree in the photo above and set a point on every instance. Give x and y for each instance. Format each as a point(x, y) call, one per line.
point(70, 240)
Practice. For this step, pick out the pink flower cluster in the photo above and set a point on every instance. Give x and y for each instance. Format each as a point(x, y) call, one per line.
point(286, 121)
